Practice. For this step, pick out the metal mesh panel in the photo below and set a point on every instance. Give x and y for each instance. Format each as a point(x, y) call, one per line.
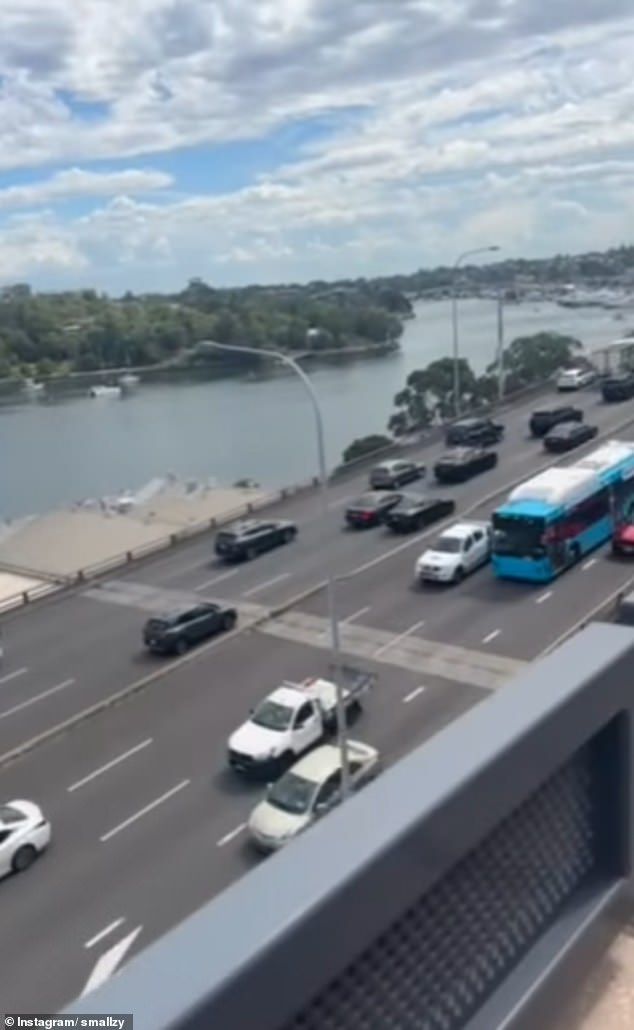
point(438, 963)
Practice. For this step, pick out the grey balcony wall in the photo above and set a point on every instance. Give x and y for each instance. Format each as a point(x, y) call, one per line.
point(464, 888)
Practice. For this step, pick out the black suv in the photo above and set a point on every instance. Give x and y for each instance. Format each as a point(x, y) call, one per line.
point(414, 512)
point(246, 540)
point(542, 421)
point(474, 432)
point(619, 387)
point(178, 630)
point(464, 462)
point(389, 475)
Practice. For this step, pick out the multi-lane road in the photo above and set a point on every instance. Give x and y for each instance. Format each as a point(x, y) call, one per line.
point(148, 824)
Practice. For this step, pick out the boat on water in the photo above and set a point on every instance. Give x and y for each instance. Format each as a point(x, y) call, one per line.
point(32, 387)
point(129, 381)
point(105, 391)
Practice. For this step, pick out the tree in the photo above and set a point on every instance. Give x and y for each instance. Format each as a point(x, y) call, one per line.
point(365, 445)
point(534, 359)
point(428, 395)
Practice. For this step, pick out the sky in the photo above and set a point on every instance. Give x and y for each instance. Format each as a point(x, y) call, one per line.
point(146, 143)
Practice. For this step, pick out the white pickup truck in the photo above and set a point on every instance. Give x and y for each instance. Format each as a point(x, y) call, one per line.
point(292, 719)
point(459, 550)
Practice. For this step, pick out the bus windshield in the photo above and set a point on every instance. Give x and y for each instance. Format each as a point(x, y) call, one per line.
point(518, 535)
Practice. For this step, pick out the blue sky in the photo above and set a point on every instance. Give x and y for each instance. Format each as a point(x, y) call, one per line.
point(296, 139)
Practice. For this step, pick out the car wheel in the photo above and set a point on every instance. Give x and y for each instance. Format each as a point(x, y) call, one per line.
point(23, 858)
point(228, 621)
point(181, 646)
point(289, 534)
point(251, 553)
point(458, 575)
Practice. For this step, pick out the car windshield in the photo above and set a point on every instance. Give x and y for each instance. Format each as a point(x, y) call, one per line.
point(292, 793)
point(8, 814)
point(449, 544)
point(566, 429)
point(226, 538)
point(272, 716)
point(366, 501)
point(518, 535)
point(158, 625)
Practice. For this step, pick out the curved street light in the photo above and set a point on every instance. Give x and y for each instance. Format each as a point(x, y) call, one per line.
point(335, 644)
point(454, 321)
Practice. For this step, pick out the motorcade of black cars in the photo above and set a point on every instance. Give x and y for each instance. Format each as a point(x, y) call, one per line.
point(618, 387)
point(371, 508)
point(184, 627)
point(246, 540)
point(542, 421)
point(568, 435)
point(413, 512)
point(474, 432)
point(461, 463)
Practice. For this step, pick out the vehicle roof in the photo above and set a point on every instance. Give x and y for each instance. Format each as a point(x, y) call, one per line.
point(566, 428)
point(181, 609)
point(21, 807)
point(462, 529)
point(318, 764)
point(556, 486)
point(470, 422)
point(244, 527)
point(457, 454)
point(287, 694)
point(421, 501)
point(389, 464)
point(554, 410)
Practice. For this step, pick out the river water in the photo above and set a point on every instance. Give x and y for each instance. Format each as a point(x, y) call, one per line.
point(78, 448)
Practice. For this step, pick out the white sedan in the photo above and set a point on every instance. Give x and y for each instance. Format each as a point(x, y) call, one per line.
point(24, 833)
point(308, 790)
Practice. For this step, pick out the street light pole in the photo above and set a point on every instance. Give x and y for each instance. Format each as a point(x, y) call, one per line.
point(454, 321)
point(335, 643)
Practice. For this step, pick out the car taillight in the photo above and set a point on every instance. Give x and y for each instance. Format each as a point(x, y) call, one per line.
point(366, 515)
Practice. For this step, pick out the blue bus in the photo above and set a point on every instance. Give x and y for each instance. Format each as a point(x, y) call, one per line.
point(550, 521)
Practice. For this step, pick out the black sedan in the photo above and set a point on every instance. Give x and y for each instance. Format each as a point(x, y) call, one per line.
point(178, 630)
point(414, 512)
point(461, 463)
point(567, 436)
point(474, 432)
point(371, 509)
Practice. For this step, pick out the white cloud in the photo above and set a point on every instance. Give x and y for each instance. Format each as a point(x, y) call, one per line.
point(78, 182)
point(477, 121)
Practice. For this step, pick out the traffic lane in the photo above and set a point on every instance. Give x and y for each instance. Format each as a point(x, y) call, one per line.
point(68, 684)
point(277, 577)
point(286, 571)
point(570, 599)
point(95, 858)
point(172, 565)
point(279, 584)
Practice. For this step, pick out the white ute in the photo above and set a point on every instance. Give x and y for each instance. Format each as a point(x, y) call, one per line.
point(291, 720)
point(458, 551)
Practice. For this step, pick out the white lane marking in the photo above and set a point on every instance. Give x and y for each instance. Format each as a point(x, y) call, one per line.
point(109, 765)
point(231, 835)
point(355, 615)
point(34, 700)
point(588, 565)
point(144, 811)
point(267, 583)
point(110, 928)
point(491, 636)
point(412, 694)
point(397, 639)
point(109, 961)
point(544, 597)
point(13, 675)
point(217, 579)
